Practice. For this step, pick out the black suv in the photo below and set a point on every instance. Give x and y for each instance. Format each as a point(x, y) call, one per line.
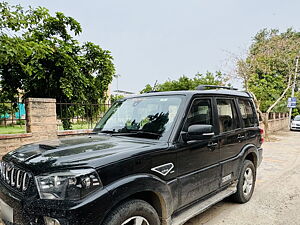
point(156, 158)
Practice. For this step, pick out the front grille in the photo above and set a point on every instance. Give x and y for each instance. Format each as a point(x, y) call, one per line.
point(15, 177)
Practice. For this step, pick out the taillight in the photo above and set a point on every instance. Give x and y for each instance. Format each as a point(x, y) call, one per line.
point(261, 131)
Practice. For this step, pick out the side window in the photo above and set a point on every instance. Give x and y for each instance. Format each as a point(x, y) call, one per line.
point(247, 113)
point(200, 113)
point(227, 115)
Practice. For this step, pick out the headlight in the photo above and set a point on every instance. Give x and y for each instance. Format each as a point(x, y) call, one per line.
point(70, 184)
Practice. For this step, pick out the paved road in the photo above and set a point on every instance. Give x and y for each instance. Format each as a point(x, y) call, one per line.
point(276, 199)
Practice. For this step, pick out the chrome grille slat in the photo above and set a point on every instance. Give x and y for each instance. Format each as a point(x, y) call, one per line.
point(12, 177)
point(18, 179)
point(15, 177)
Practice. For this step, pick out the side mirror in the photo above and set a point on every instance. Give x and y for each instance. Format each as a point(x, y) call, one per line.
point(200, 132)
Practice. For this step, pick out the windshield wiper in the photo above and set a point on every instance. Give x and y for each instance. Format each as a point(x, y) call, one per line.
point(137, 133)
point(108, 131)
point(128, 132)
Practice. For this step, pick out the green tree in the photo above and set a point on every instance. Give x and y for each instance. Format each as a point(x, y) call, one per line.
point(40, 56)
point(268, 68)
point(186, 83)
point(114, 98)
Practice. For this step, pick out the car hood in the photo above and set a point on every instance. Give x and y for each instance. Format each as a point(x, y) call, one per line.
point(296, 122)
point(83, 151)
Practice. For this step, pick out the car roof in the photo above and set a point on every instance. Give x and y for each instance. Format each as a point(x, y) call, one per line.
point(216, 92)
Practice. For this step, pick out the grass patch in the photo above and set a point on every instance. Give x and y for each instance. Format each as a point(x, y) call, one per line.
point(17, 129)
point(13, 129)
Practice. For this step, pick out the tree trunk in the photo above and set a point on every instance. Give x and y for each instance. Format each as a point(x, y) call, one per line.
point(265, 120)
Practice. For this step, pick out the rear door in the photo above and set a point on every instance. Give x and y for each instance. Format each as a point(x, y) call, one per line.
point(250, 122)
point(231, 137)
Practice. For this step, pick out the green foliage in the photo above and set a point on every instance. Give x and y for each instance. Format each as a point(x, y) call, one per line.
point(148, 88)
point(40, 56)
point(114, 98)
point(20, 122)
point(295, 112)
point(186, 83)
point(269, 66)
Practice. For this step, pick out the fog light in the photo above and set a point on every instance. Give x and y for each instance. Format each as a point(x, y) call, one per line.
point(51, 221)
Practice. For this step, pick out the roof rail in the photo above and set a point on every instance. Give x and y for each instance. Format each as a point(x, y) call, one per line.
point(205, 87)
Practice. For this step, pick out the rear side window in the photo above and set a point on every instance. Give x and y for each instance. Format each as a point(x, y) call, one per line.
point(247, 112)
point(227, 115)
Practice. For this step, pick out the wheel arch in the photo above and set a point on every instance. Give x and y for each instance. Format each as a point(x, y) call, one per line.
point(251, 156)
point(149, 188)
point(251, 153)
point(155, 199)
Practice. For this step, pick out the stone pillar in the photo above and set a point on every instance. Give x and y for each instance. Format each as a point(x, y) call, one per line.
point(41, 118)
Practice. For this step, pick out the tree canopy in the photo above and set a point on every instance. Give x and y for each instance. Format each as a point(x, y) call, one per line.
point(186, 83)
point(269, 67)
point(40, 56)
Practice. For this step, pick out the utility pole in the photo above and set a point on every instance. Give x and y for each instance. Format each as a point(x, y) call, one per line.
point(117, 76)
point(293, 88)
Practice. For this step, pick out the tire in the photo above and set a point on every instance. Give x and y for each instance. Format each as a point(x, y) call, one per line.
point(246, 183)
point(133, 212)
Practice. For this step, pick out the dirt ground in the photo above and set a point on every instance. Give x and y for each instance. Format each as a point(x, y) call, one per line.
point(276, 199)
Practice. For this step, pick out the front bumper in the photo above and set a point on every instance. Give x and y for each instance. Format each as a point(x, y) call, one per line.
point(295, 127)
point(31, 211)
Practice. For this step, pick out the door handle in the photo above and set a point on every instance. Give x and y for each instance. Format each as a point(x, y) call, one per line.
point(212, 145)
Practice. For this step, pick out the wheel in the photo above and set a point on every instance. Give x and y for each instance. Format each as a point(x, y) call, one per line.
point(246, 183)
point(133, 212)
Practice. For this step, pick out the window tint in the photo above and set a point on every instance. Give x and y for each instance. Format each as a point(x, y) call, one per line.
point(247, 112)
point(200, 113)
point(226, 115)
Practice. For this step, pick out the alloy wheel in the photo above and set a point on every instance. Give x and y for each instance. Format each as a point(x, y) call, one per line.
point(136, 220)
point(248, 181)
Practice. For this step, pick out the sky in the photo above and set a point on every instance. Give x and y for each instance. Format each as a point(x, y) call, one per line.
point(165, 39)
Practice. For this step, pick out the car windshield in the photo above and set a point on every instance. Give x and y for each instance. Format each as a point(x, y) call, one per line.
point(297, 118)
point(147, 117)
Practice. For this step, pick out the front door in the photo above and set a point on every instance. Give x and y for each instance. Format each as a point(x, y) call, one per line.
point(198, 161)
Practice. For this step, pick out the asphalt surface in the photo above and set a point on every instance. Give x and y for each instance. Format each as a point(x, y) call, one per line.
point(276, 199)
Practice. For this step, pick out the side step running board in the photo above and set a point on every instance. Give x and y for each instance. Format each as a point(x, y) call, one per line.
point(200, 207)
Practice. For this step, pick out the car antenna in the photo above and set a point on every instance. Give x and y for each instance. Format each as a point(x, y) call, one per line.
point(154, 86)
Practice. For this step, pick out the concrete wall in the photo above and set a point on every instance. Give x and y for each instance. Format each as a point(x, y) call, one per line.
point(41, 124)
point(278, 121)
point(10, 142)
